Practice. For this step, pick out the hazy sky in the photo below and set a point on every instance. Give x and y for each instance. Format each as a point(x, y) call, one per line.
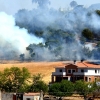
point(12, 6)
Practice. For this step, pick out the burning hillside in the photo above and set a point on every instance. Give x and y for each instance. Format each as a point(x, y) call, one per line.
point(45, 33)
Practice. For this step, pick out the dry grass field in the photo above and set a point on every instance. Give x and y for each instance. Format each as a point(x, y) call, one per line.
point(45, 68)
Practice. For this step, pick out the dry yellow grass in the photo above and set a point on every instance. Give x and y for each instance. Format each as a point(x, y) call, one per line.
point(45, 68)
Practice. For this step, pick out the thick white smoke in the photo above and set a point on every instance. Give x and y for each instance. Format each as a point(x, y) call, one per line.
point(13, 38)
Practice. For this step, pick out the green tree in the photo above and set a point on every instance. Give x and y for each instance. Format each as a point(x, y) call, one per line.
point(22, 57)
point(38, 84)
point(64, 88)
point(96, 85)
point(37, 77)
point(84, 88)
point(98, 44)
point(98, 12)
point(13, 79)
point(87, 52)
point(35, 51)
point(87, 34)
point(54, 89)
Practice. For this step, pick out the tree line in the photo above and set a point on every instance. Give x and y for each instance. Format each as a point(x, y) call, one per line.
point(17, 79)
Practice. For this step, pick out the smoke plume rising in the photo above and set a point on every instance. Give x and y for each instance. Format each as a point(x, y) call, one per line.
point(60, 31)
point(13, 39)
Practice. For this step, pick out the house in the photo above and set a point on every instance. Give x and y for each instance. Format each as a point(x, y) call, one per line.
point(31, 96)
point(86, 70)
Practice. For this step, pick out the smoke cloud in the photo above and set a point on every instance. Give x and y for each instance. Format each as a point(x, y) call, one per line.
point(59, 31)
point(59, 28)
point(73, 4)
point(12, 6)
point(13, 39)
point(42, 3)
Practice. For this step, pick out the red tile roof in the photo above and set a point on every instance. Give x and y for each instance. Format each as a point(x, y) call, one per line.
point(79, 64)
point(87, 64)
point(31, 94)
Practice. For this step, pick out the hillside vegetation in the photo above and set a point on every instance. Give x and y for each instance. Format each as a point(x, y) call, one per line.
point(45, 68)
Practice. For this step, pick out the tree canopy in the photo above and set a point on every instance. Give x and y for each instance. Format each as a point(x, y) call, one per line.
point(64, 88)
point(84, 88)
point(87, 33)
point(98, 12)
point(38, 84)
point(13, 79)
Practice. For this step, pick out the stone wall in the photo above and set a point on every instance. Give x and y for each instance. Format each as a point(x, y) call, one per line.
point(6, 96)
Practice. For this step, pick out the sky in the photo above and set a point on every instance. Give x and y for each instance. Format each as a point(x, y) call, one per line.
point(12, 6)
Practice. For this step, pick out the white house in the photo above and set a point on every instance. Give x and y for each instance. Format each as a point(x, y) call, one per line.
point(88, 71)
point(31, 96)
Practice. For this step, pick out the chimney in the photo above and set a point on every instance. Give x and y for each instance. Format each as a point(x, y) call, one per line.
point(74, 61)
point(82, 60)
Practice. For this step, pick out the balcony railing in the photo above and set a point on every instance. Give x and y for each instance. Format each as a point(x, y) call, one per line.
point(58, 73)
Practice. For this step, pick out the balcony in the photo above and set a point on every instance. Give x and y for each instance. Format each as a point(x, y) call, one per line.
point(79, 73)
point(59, 73)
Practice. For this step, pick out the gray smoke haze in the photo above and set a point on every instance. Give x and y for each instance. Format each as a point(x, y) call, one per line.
point(59, 30)
point(49, 21)
point(43, 4)
point(73, 4)
point(12, 6)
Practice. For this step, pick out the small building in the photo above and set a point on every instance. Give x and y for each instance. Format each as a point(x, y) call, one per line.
point(73, 71)
point(31, 96)
point(21, 96)
point(18, 96)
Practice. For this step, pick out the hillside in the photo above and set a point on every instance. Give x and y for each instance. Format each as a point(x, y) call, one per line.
point(45, 68)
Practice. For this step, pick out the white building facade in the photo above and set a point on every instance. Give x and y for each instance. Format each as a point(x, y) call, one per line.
point(75, 71)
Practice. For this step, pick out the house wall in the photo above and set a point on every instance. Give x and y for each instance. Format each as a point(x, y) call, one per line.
point(70, 67)
point(9, 96)
point(58, 74)
point(88, 72)
point(92, 72)
point(31, 97)
point(85, 70)
point(59, 71)
point(6, 96)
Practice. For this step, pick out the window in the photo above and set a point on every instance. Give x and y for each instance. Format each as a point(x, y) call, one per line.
point(86, 79)
point(73, 70)
point(82, 70)
point(89, 79)
point(28, 99)
point(60, 70)
point(95, 71)
point(69, 71)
